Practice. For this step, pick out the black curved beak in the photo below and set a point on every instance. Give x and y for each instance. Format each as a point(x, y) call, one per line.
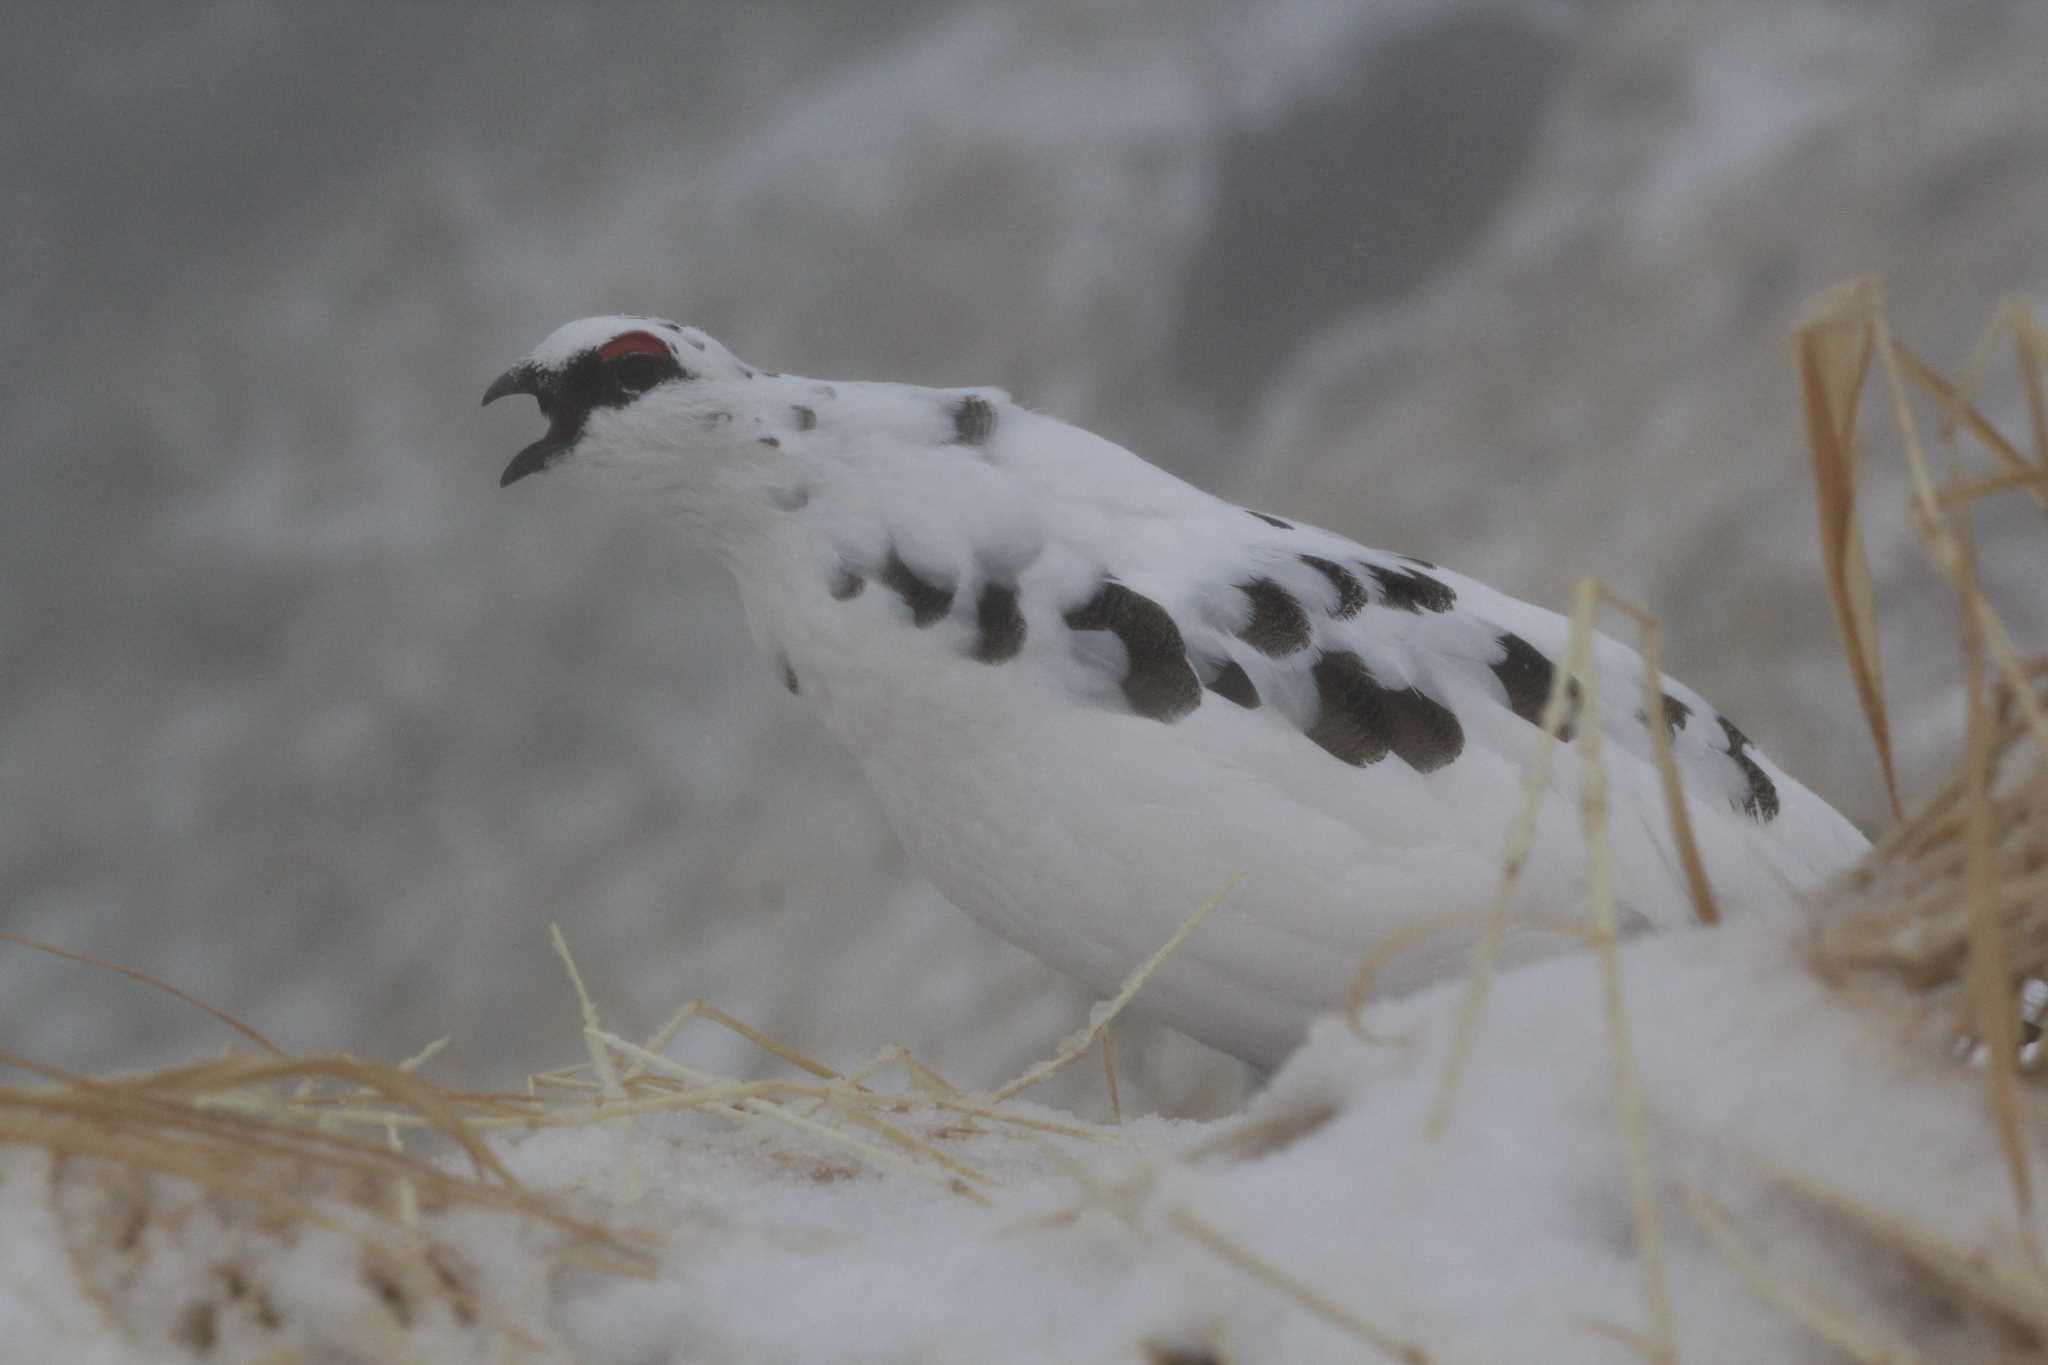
point(521, 378)
point(526, 378)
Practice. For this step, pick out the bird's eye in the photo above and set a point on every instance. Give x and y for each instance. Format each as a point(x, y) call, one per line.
point(637, 371)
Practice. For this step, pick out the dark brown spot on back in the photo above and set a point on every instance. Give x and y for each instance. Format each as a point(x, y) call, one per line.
point(1361, 721)
point(974, 420)
point(1351, 595)
point(1272, 521)
point(789, 676)
point(1428, 734)
point(1278, 625)
point(1159, 682)
point(928, 601)
point(1760, 802)
point(1233, 684)
point(847, 585)
point(1347, 721)
point(771, 442)
point(806, 418)
point(1000, 623)
point(1527, 676)
point(1676, 714)
point(1410, 590)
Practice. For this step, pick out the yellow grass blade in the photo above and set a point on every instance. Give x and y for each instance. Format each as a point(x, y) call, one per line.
point(1812, 1311)
point(1078, 1043)
point(1989, 980)
point(1628, 1096)
point(600, 1060)
point(146, 979)
point(1833, 352)
point(1702, 892)
point(1959, 411)
point(2009, 1286)
point(1486, 952)
point(1309, 1297)
point(2030, 347)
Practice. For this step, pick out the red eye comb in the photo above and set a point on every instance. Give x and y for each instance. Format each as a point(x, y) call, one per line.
point(634, 343)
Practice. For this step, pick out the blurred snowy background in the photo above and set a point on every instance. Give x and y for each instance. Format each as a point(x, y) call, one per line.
point(299, 711)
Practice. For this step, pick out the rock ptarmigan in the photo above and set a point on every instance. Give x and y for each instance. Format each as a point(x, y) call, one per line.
point(1089, 694)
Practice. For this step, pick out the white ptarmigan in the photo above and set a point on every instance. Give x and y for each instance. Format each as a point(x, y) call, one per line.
point(1089, 694)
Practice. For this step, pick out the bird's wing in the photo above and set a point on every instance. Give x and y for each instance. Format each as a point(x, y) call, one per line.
point(1320, 651)
point(1350, 683)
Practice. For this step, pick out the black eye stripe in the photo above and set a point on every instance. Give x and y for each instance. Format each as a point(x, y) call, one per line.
point(590, 381)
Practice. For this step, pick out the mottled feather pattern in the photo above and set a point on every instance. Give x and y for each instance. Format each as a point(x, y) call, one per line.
point(1370, 656)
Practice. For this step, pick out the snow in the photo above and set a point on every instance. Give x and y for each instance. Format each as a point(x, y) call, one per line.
point(1323, 1220)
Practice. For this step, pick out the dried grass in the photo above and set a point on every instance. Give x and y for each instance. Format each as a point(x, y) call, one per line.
point(322, 1141)
point(1952, 902)
point(1958, 876)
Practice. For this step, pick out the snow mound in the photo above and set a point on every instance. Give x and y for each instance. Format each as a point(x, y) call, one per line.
point(1823, 1167)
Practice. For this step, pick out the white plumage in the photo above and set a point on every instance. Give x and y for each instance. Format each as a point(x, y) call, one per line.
point(1088, 694)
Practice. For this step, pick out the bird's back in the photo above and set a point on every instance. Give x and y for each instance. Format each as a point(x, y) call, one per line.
point(1090, 694)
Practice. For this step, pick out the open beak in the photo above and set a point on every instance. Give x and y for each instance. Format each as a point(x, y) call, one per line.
point(526, 378)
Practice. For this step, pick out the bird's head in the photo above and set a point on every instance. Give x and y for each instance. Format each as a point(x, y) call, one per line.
point(682, 427)
point(635, 400)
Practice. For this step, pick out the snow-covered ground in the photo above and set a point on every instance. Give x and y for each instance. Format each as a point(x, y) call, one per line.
point(299, 711)
point(1809, 1142)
